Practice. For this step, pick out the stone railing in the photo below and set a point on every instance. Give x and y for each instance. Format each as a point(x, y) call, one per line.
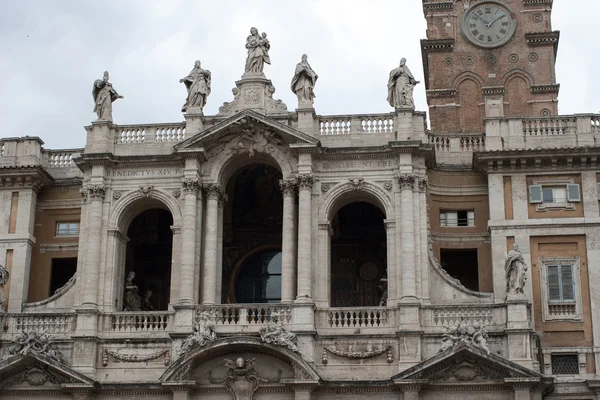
point(246, 314)
point(580, 130)
point(141, 321)
point(50, 323)
point(354, 317)
point(356, 124)
point(562, 310)
point(450, 315)
point(457, 143)
point(155, 133)
point(61, 158)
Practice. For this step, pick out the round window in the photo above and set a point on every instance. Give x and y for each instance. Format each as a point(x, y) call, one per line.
point(259, 279)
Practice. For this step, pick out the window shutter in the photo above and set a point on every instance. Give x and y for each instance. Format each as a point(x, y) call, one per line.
point(535, 194)
point(553, 283)
point(566, 275)
point(598, 188)
point(573, 193)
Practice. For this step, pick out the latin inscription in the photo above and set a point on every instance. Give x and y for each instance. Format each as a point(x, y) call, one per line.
point(144, 173)
point(373, 164)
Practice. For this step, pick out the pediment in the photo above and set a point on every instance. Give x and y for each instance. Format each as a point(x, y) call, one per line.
point(37, 370)
point(466, 363)
point(246, 131)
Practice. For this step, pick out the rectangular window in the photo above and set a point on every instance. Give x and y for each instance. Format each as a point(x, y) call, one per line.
point(560, 283)
point(457, 218)
point(554, 195)
point(565, 364)
point(62, 269)
point(67, 228)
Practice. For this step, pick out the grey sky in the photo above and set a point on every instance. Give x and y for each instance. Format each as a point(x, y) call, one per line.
point(53, 50)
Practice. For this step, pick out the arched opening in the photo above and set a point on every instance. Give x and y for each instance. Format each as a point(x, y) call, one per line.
point(252, 223)
point(148, 257)
point(358, 256)
point(517, 94)
point(470, 98)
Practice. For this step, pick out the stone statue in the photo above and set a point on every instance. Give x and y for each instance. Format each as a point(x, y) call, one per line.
point(32, 342)
point(383, 286)
point(104, 94)
point(204, 332)
point(4, 275)
point(304, 81)
point(132, 300)
point(400, 86)
point(145, 301)
point(197, 84)
point(475, 335)
point(258, 51)
point(275, 333)
point(516, 271)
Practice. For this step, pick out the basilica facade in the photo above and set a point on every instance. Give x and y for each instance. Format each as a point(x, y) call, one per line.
point(269, 252)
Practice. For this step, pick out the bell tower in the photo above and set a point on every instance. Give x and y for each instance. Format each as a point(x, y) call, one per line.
point(488, 58)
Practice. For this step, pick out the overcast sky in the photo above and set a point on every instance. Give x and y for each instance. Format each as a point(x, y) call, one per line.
point(53, 50)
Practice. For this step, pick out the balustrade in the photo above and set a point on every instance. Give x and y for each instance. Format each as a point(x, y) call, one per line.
point(356, 124)
point(453, 315)
point(61, 159)
point(595, 124)
point(245, 314)
point(334, 126)
point(550, 126)
point(170, 133)
point(130, 135)
point(562, 310)
point(50, 323)
point(152, 321)
point(357, 317)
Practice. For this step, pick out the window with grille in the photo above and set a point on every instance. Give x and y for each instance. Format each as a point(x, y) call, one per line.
point(67, 228)
point(457, 218)
point(565, 364)
point(560, 283)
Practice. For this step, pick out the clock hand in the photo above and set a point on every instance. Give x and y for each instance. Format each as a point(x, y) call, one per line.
point(491, 23)
point(484, 21)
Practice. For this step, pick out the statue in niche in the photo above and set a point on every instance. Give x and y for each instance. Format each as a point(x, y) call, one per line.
point(197, 83)
point(516, 271)
point(258, 47)
point(204, 332)
point(304, 81)
point(132, 300)
point(275, 333)
point(145, 301)
point(104, 94)
point(4, 275)
point(400, 86)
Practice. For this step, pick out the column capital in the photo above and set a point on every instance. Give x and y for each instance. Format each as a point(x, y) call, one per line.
point(407, 181)
point(212, 190)
point(288, 187)
point(305, 181)
point(93, 192)
point(191, 185)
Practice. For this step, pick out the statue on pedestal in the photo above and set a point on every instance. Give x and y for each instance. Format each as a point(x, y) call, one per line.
point(132, 299)
point(104, 94)
point(400, 86)
point(516, 271)
point(197, 83)
point(304, 81)
point(4, 275)
point(258, 51)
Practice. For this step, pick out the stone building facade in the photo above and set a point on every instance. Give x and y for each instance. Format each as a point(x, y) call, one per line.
point(263, 253)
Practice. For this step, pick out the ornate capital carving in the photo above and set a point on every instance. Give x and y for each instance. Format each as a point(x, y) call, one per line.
point(423, 184)
point(95, 192)
point(214, 191)
point(191, 185)
point(406, 181)
point(305, 181)
point(288, 188)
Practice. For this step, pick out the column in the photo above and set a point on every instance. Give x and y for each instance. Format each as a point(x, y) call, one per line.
point(93, 241)
point(209, 280)
point(219, 276)
point(407, 184)
point(288, 239)
point(191, 188)
point(424, 266)
point(305, 184)
point(392, 281)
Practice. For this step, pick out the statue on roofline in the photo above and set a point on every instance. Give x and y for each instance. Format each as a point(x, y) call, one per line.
point(197, 83)
point(400, 86)
point(304, 81)
point(104, 94)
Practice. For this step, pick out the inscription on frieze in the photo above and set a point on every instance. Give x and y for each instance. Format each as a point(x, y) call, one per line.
point(355, 164)
point(145, 172)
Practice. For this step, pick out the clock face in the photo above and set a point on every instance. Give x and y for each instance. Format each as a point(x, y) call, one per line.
point(488, 24)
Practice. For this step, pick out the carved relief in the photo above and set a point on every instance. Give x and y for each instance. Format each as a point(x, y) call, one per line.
point(95, 192)
point(176, 193)
point(288, 188)
point(134, 357)
point(357, 184)
point(475, 335)
point(117, 194)
point(204, 333)
point(251, 137)
point(146, 191)
point(275, 333)
point(33, 342)
point(191, 185)
point(358, 355)
point(305, 181)
point(251, 97)
point(242, 379)
point(407, 181)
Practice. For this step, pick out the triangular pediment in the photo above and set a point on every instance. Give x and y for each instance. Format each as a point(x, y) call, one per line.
point(465, 363)
point(247, 128)
point(37, 370)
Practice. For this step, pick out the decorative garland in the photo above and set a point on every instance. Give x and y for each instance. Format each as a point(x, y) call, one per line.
point(135, 357)
point(358, 354)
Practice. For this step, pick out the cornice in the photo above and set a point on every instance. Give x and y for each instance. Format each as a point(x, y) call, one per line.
point(439, 6)
point(441, 93)
point(537, 39)
point(492, 91)
point(536, 3)
point(535, 89)
point(437, 45)
point(538, 160)
point(27, 176)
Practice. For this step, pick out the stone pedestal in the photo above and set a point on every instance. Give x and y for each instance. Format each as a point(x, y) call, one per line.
point(194, 121)
point(404, 123)
point(409, 348)
point(306, 119)
point(101, 137)
point(255, 92)
point(518, 332)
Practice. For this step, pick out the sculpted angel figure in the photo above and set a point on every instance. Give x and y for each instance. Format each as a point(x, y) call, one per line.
point(276, 334)
point(516, 271)
point(258, 51)
point(132, 300)
point(197, 83)
point(304, 81)
point(400, 86)
point(204, 332)
point(4, 275)
point(104, 94)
